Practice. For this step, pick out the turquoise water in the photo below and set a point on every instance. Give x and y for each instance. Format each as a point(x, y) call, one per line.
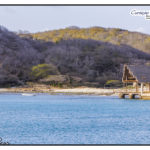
point(73, 119)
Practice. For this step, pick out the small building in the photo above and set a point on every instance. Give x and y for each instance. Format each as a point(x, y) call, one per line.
point(139, 77)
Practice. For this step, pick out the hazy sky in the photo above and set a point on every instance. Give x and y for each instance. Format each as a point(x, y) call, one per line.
point(41, 18)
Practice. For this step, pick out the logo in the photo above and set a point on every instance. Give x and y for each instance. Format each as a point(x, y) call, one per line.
point(141, 13)
point(3, 143)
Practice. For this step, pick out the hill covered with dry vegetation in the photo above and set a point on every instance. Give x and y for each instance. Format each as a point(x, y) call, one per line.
point(113, 35)
point(71, 56)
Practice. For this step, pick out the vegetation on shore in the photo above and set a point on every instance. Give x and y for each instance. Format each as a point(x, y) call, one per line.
point(70, 57)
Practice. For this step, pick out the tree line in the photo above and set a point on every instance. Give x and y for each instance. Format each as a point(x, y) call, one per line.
point(26, 59)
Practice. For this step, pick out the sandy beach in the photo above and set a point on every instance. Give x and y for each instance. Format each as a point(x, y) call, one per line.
point(86, 90)
point(54, 90)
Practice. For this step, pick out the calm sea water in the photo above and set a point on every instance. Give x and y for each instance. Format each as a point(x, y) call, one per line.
point(73, 119)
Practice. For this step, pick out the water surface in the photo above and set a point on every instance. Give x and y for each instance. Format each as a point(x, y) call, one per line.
point(73, 119)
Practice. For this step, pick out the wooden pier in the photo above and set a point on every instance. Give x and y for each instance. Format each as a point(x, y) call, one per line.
point(139, 78)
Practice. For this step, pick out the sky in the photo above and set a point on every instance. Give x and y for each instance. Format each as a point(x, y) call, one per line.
point(43, 18)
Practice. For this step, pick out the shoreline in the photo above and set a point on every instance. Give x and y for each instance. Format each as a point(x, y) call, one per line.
point(77, 91)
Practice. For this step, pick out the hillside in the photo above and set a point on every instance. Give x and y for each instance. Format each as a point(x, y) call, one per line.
point(70, 62)
point(113, 35)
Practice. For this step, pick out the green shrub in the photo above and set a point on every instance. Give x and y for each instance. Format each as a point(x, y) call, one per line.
point(43, 70)
point(113, 83)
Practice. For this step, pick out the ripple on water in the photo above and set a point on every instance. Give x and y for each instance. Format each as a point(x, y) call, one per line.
point(73, 119)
